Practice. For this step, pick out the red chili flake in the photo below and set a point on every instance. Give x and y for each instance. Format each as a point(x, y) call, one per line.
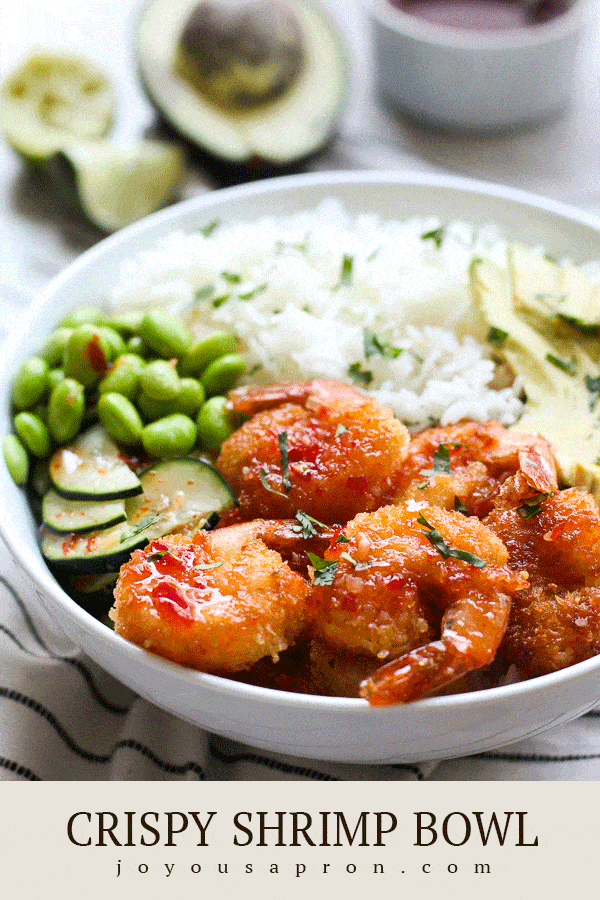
point(95, 354)
point(68, 545)
point(395, 582)
point(349, 603)
point(155, 547)
point(555, 532)
point(335, 535)
point(357, 483)
point(91, 543)
point(169, 601)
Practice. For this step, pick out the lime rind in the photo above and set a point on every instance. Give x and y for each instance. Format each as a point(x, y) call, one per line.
point(51, 98)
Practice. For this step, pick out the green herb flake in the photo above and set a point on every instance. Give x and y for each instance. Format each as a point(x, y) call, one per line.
point(158, 555)
point(341, 429)
point(211, 522)
point(593, 386)
point(460, 507)
point(231, 277)
point(324, 569)
point(436, 235)
point(137, 529)
point(220, 300)
point(346, 271)
point(206, 567)
point(533, 506)
point(579, 324)
point(342, 539)
point(373, 346)
point(287, 245)
point(440, 465)
point(436, 540)
point(283, 450)
point(265, 484)
point(348, 558)
point(565, 365)
point(307, 526)
point(208, 229)
point(360, 375)
point(497, 337)
point(204, 293)
point(249, 295)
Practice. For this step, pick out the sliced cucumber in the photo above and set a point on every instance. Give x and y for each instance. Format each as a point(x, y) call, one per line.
point(63, 515)
point(91, 469)
point(178, 493)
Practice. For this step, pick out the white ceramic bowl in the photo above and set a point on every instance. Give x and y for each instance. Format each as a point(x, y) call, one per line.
point(317, 727)
point(469, 80)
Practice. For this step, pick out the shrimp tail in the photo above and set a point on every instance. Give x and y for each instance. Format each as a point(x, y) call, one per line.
point(472, 629)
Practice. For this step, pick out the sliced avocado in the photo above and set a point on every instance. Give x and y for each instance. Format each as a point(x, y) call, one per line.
point(279, 131)
point(560, 378)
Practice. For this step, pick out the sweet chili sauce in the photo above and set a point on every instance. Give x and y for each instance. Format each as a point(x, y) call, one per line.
point(484, 15)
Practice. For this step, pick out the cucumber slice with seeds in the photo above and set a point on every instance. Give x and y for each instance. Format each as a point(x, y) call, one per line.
point(62, 515)
point(91, 469)
point(177, 494)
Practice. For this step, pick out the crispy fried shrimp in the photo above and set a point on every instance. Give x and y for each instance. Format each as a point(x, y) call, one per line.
point(217, 602)
point(343, 450)
point(406, 574)
point(464, 465)
point(555, 620)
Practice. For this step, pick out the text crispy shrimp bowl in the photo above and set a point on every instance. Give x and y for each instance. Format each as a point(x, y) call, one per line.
point(363, 288)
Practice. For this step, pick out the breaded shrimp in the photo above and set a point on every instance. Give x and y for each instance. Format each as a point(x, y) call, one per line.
point(464, 465)
point(406, 574)
point(555, 620)
point(217, 602)
point(343, 450)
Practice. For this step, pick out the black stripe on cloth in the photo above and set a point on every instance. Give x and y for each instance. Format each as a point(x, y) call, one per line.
point(83, 671)
point(536, 757)
point(288, 768)
point(22, 771)
point(88, 756)
point(25, 614)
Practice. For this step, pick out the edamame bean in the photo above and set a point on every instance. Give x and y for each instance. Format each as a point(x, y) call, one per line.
point(87, 355)
point(16, 459)
point(206, 351)
point(126, 323)
point(190, 397)
point(83, 315)
point(114, 339)
point(54, 348)
point(65, 410)
point(124, 377)
point(120, 418)
point(55, 376)
point(215, 424)
point(154, 409)
point(33, 433)
point(31, 383)
point(159, 380)
point(222, 374)
point(136, 345)
point(172, 436)
point(166, 334)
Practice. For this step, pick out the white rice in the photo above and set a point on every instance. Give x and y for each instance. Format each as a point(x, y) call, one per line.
point(304, 319)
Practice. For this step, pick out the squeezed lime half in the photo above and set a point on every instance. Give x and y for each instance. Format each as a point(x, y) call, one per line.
point(53, 98)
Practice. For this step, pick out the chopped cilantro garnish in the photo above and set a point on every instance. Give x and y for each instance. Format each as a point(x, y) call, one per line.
point(231, 277)
point(460, 507)
point(436, 235)
point(341, 429)
point(248, 295)
point(593, 386)
point(348, 558)
point(207, 566)
point(255, 368)
point(436, 540)
point(360, 375)
point(204, 293)
point(342, 539)
point(158, 555)
point(265, 484)
point(440, 465)
point(345, 272)
point(208, 229)
point(220, 300)
point(137, 529)
point(497, 337)
point(565, 365)
point(307, 525)
point(324, 569)
point(286, 245)
point(579, 324)
point(532, 506)
point(373, 346)
point(212, 520)
point(373, 254)
point(283, 450)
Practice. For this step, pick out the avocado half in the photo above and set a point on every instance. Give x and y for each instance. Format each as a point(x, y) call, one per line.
point(277, 133)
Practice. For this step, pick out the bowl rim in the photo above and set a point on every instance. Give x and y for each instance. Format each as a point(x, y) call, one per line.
point(43, 578)
point(403, 24)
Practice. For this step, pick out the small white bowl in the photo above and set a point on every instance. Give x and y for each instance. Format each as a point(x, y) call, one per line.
point(329, 728)
point(477, 81)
